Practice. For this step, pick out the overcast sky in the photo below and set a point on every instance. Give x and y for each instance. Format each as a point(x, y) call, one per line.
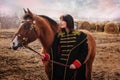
point(55, 8)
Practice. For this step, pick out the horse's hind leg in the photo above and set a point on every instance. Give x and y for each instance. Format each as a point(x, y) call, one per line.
point(88, 71)
point(89, 67)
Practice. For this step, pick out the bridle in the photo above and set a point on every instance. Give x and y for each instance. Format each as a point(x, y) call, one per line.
point(24, 40)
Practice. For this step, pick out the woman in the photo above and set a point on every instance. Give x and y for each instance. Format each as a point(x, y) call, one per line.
point(69, 48)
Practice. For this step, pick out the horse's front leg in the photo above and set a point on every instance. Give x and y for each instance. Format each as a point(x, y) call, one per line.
point(89, 64)
point(48, 68)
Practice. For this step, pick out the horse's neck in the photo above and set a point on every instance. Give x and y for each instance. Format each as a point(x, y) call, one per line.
point(46, 35)
point(47, 39)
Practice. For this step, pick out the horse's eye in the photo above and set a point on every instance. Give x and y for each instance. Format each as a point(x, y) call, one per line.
point(27, 26)
point(22, 21)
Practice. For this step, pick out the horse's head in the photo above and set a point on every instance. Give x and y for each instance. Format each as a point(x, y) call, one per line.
point(26, 32)
point(33, 27)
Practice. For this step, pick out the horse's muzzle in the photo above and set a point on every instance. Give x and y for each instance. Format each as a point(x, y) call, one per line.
point(14, 48)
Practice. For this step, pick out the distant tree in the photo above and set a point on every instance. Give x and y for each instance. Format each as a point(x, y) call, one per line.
point(9, 21)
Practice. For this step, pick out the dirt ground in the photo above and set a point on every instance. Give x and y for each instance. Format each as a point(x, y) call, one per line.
point(26, 65)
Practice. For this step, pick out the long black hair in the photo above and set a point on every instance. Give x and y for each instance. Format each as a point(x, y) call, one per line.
point(69, 20)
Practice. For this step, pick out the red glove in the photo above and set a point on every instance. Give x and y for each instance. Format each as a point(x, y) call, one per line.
point(75, 65)
point(45, 57)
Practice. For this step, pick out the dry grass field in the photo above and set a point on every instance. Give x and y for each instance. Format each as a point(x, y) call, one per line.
point(26, 65)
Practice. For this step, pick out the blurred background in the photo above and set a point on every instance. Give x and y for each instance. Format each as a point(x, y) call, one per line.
point(11, 11)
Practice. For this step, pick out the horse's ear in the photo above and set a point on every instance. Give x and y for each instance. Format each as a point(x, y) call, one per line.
point(24, 10)
point(29, 11)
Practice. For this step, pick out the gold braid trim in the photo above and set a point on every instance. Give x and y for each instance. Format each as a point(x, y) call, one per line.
point(70, 53)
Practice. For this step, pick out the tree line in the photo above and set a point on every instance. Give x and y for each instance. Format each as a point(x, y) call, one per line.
point(7, 22)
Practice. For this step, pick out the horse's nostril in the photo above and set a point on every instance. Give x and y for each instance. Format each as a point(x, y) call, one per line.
point(13, 43)
point(15, 48)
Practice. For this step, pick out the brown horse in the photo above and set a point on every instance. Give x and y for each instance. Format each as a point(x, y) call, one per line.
point(44, 28)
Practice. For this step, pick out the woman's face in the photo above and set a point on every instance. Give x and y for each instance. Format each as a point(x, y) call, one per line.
point(63, 24)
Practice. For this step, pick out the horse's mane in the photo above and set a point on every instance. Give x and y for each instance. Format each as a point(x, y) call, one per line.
point(52, 22)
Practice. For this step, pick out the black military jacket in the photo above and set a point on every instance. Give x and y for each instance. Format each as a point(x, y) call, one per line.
point(66, 48)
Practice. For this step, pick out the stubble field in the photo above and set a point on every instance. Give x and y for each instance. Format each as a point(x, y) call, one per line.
point(26, 65)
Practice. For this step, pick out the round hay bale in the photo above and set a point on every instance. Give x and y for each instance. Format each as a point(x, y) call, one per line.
point(79, 24)
point(85, 25)
point(93, 27)
point(111, 27)
point(100, 26)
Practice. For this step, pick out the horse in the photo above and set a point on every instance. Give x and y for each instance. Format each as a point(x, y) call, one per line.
point(44, 28)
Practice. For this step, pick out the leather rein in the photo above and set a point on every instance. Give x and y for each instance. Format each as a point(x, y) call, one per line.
point(52, 61)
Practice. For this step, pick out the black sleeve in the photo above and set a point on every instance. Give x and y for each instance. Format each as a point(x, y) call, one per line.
point(82, 52)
